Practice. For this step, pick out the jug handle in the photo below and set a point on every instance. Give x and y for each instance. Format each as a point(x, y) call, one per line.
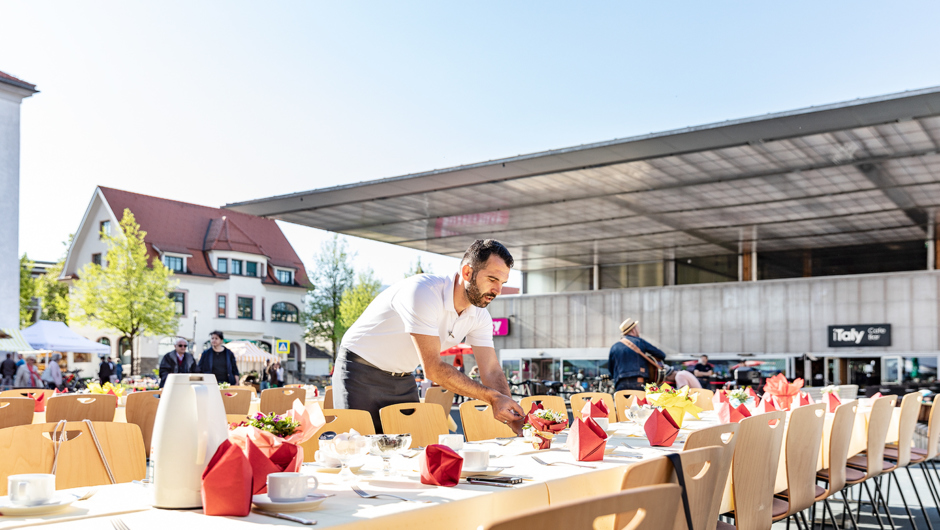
point(202, 414)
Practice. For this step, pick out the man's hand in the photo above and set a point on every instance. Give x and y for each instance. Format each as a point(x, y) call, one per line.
point(506, 410)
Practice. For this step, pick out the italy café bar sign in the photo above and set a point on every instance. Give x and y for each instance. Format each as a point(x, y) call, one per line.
point(859, 335)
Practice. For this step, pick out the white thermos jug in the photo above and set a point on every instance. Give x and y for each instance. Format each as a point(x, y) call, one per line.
point(189, 427)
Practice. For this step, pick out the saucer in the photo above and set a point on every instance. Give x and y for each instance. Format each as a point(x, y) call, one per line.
point(321, 468)
point(58, 503)
point(464, 473)
point(310, 503)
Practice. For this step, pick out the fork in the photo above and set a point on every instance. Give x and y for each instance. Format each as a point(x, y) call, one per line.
point(544, 463)
point(118, 524)
point(359, 491)
point(628, 446)
point(88, 494)
point(504, 444)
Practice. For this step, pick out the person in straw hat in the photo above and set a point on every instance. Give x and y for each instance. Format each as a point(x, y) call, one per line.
point(628, 369)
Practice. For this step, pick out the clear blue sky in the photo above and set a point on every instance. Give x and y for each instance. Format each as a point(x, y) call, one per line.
point(215, 102)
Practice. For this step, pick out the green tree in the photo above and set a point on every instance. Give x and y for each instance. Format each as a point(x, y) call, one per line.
point(129, 292)
point(358, 297)
point(27, 292)
point(331, 277)
point(417, 268)
point(53, 294)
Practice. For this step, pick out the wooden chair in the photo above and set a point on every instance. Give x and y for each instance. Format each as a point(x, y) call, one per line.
point(726, 436)
point(623, 400)
point(840, 437)
point(703, 398)
point(280, 400)
point(78, 407)
point(902, 453)
point(479, 423)
point(651, 508)
point(921, 457)
point(342, 421)
point(249, 388)
point(15, 411)
point(27, 392)
point(754, 469)
point(141, 410)
point(27, 449)
point(871, 462)
point(423, 421)
point(804, 440)
point(328, 398)
point(441, 396)
point(236, 401)
point(578, 401)
point(556, 403)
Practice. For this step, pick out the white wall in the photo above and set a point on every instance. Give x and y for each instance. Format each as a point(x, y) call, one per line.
point(10, 98)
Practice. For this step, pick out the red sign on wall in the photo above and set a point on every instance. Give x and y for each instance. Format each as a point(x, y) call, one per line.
point(500, 327)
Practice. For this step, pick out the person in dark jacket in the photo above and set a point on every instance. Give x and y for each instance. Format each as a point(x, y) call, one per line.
point(7, 372)
point(105, 370)
point(178, 361)
point(219, 360)
point(628, 369)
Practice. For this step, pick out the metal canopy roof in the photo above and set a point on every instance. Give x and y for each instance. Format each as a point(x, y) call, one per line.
point(866, 171)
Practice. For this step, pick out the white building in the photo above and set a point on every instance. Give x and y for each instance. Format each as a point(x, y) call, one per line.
point(237, 273)
point(12, 92)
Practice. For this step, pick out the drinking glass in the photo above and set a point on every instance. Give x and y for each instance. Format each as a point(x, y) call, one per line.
point(386, 446)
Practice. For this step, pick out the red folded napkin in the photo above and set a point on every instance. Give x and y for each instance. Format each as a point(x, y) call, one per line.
point(720, 397)
point(595, 410)
point(111, 392)
point(729, 414)
point(832, 400)
point(39, 399)
point(440, 466)
point(287, 458)
point(806, 399)
point(226, 482)
point(767, 405)
point(782, 390)
point(63, 391)
point(750, 392)
point(545, 430)
point(587, 440)
point(876, 396)
point(640, 401)
point(661, 429)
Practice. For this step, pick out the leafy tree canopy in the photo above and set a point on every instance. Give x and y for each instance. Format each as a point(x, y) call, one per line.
point(331, 277)
point(357, 298)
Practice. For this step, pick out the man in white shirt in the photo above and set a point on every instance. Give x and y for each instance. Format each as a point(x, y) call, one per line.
point(411, 322)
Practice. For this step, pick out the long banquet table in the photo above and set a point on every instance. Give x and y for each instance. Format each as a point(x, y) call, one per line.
point(464, 506)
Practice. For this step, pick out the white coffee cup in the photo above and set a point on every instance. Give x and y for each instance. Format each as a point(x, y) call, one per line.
point(327, 458)
point(290, 487)
point(454, 441)
point(31, 489)
point(603, 422)
point(475, 458)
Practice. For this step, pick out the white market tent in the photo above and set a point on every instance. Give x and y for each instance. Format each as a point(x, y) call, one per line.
point(249, 357)
point(11, 340)
point(56, 336)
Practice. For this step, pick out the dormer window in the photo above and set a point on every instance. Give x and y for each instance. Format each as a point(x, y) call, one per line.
point(174, 263)
point(222, 265)
point(285, 277)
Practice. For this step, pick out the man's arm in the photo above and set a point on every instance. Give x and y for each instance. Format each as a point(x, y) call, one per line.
point(164, 366)
point(656, 352)
point(435, 369)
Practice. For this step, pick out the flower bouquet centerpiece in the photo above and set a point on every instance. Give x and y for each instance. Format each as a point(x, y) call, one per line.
point(223, 385)
point(542, 425)
point(272, 441)
point(830, 396)
point(675, 402)
point(118, 390)
point(783, 391)
point(740, 396)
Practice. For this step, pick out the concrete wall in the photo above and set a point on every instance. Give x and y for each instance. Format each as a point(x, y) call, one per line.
point(10, 98)
point(776, 316)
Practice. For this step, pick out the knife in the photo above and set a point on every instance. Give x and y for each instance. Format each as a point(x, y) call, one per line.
point(285, 517)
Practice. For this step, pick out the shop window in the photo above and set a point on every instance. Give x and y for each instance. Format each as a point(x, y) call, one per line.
point(284, 312)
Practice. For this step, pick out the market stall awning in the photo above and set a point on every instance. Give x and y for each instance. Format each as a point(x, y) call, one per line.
point(247, 352)
point(12, 340)
point(56, 336)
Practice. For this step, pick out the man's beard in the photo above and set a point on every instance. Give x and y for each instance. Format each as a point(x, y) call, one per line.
point(474, 294)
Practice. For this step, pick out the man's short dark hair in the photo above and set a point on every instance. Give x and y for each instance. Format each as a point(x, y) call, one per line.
point(481, 250)
point(217, 334)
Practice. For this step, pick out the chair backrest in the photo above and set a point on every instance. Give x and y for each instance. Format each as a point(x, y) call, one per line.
point(578, 401)
point(910, 408)
point(328, 398)
point(651, 508)
point(556, 403)
point(804, 440)
point(726, 436)
point(27, 392)
point(479, 424)
point(78, 407)
point(440, 396)
point(754, 469)
point(623, 400)
point(933, 430)
point(16, 411)
point(244, 387)
point(703, 398)
point(280, 400)
point(878, 422)
point(27, 449)
point(342, 421)
point(840, 437)
point(236, 401)
point(423, 421)
point(141, 410)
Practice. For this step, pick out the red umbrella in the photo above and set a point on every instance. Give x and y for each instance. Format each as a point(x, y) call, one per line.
point(747, 363)
point(459, 350)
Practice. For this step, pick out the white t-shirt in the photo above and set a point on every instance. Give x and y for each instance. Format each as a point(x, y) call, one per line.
point(422, 304)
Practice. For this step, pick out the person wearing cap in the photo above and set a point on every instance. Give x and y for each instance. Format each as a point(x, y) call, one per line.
point(628, 369)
